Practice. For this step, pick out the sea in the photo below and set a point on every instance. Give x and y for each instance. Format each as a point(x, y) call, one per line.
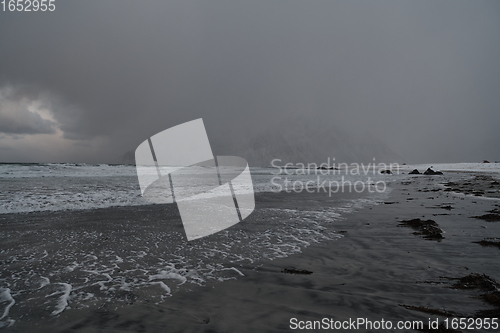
point(34, 187)
point(56, 253)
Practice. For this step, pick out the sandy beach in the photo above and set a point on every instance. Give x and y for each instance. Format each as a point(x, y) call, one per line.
point(371, 264)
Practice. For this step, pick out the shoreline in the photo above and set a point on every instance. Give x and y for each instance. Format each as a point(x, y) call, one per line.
point(378, 269)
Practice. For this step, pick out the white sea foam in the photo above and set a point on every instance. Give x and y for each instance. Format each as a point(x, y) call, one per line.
point(5, 296)
point(34, 170)
point(45, 282)
point(164, 287)
point(119, 270)
point(168, 275)
point(62, 304)
point(233, 269)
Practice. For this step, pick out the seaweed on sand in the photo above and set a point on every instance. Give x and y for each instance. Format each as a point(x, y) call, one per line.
point(437, 312)
point(469, 282)
point(484, 283)
point(296, 271)
point(489, 242)
point(428, 229)
point(476, 281)
point(488, 217)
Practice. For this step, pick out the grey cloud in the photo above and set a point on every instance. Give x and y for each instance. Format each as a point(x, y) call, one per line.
point(15, 118)
point(25, 122)
point(421, 75)
point(70, 117)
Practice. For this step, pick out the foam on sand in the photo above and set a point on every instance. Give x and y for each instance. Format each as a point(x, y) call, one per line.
point(45, 282)
point(5, 296)
point(63, 301)
point(164, 287)
point(168, 275)
point(121, 256)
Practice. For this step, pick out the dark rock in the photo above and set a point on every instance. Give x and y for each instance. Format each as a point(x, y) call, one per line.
point(431, 172)
point(414, 172)
point(387, 172)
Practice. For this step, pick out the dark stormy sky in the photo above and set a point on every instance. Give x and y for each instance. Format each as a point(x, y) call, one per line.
point(93, 79)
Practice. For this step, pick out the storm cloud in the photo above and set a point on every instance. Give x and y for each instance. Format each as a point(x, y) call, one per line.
point(421, 76)
point(17, 118)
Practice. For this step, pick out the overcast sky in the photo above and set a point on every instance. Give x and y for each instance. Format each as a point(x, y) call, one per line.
point(93, 79)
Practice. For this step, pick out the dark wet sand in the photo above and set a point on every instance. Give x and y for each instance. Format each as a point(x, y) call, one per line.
point(375, 269)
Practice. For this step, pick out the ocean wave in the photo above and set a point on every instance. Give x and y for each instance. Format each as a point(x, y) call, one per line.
point(55, 187)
